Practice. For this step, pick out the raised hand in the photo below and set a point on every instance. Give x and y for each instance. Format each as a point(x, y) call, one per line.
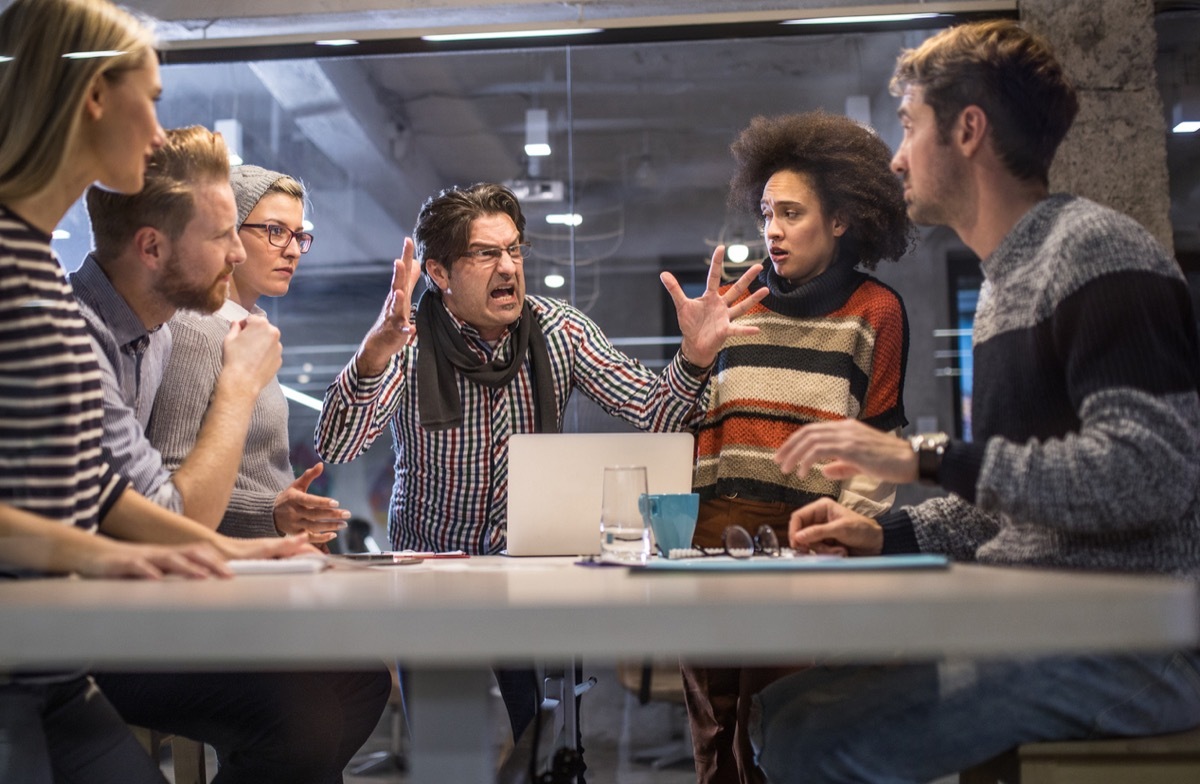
point(847, 447)
point(251, 354)
point(827, 527)
point(707, 320)
point(392, 330)
point(299, 512)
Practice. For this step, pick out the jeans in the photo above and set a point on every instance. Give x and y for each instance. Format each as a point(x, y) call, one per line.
point(914, 723)
point(288, 727)
point(66, 732)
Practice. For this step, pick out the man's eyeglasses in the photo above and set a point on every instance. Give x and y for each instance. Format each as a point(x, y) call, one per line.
point(487, 257)
point(281, 236)
point(737, 542)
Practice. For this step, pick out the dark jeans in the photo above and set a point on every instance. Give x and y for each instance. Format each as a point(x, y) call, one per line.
point(67, 733)
point(289, 727)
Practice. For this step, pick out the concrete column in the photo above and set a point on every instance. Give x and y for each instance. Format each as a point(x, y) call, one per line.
point(1116, 152)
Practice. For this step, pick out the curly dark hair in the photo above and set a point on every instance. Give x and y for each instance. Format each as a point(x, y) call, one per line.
point(849, 168)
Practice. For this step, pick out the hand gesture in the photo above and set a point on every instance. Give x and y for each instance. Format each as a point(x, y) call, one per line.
point(251, 354)
point(153, 562)
point(392, 330)
point(848, 447)
point(707, 320)
point(829, 528)
point(298, 512)
point(265, 547)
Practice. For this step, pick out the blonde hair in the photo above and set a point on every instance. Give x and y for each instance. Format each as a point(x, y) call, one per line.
point(43, 90)
point(192, 158)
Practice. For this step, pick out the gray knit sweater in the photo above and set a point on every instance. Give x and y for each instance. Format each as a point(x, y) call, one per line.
point(1085, 407)
point(183, 398)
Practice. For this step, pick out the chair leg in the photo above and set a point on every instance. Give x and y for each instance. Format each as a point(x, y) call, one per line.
point(187, 758)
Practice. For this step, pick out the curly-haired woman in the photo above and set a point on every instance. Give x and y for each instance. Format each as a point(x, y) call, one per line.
point(832, 344)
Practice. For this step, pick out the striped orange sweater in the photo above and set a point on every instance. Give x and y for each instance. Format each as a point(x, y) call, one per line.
point(832, 348)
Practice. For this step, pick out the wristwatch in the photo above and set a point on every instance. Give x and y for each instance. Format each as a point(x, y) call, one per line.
point(929, 448)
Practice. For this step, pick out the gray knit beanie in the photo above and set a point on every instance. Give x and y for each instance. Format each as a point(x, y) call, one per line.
point(249, 184)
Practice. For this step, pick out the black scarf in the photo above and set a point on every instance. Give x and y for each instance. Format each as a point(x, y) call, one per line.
point(444, 351)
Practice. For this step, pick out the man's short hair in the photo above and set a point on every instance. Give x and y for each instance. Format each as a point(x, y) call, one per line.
point(192, 158)
point(443, 229)
point(1010, 73)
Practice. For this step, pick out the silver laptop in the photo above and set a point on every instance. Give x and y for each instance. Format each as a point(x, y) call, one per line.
point(555, 483)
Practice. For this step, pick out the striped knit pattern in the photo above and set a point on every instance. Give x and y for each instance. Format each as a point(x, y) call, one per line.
point(451, 489)
point(183, 398)
point(844, 357)
point(1086, 405)
point(51, 413)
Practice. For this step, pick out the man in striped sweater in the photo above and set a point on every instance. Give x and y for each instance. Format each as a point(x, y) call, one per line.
point(1087, 445)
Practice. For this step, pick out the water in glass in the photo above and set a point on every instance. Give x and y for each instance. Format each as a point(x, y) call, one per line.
point(624, 531)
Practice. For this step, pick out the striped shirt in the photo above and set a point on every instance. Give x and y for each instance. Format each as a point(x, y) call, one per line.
point(833, 348)
point(451, 487)
point(51, 411)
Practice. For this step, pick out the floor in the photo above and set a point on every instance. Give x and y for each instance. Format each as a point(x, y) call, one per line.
point(620, 740)
point(616, 732)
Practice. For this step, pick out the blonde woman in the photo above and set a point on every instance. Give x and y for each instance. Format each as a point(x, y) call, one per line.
point(85, 77)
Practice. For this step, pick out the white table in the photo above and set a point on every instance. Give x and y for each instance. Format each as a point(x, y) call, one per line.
point(450, 620)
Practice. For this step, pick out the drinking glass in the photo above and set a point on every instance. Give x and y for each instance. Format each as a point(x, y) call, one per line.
point(624, 529)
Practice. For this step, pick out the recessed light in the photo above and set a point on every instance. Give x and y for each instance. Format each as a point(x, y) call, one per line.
point(863, 19)
point(509, 34)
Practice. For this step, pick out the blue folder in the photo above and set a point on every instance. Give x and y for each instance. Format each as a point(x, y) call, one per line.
point(798, 564)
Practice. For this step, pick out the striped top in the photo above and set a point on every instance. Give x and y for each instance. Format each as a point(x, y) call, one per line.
point(833, 348)
point(51, 412)
point(451, 487)
point(1086, 407)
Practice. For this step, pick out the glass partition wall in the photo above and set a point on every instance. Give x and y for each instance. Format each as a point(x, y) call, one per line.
point(630, 178)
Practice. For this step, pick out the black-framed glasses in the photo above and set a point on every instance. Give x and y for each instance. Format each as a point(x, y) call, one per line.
point(736, 542)
point(281, 236)
point(487, 257)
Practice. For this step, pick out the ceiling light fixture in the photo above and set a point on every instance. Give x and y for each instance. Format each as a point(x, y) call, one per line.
point(296, 396)
point(231, 131)
point(738, 252)
point(537, 133)
point(509, 34)
point(1185, 113)
point(565, 219)
point(90, 55)
point(862, 19)
point(60, 234)
point(336, 42)
point(554, 281)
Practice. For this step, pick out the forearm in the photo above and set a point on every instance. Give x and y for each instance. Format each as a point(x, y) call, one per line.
point(133, 518)
point(30, 541)
point(356, 410)
point(206, 476)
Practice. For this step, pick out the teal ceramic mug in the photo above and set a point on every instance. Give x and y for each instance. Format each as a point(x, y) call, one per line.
point(672, 518)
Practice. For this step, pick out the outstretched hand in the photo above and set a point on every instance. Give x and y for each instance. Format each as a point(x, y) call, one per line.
point(827, 527)
point(392, 330)
point(846, 447)
point(299, 512)
point(707, 320)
